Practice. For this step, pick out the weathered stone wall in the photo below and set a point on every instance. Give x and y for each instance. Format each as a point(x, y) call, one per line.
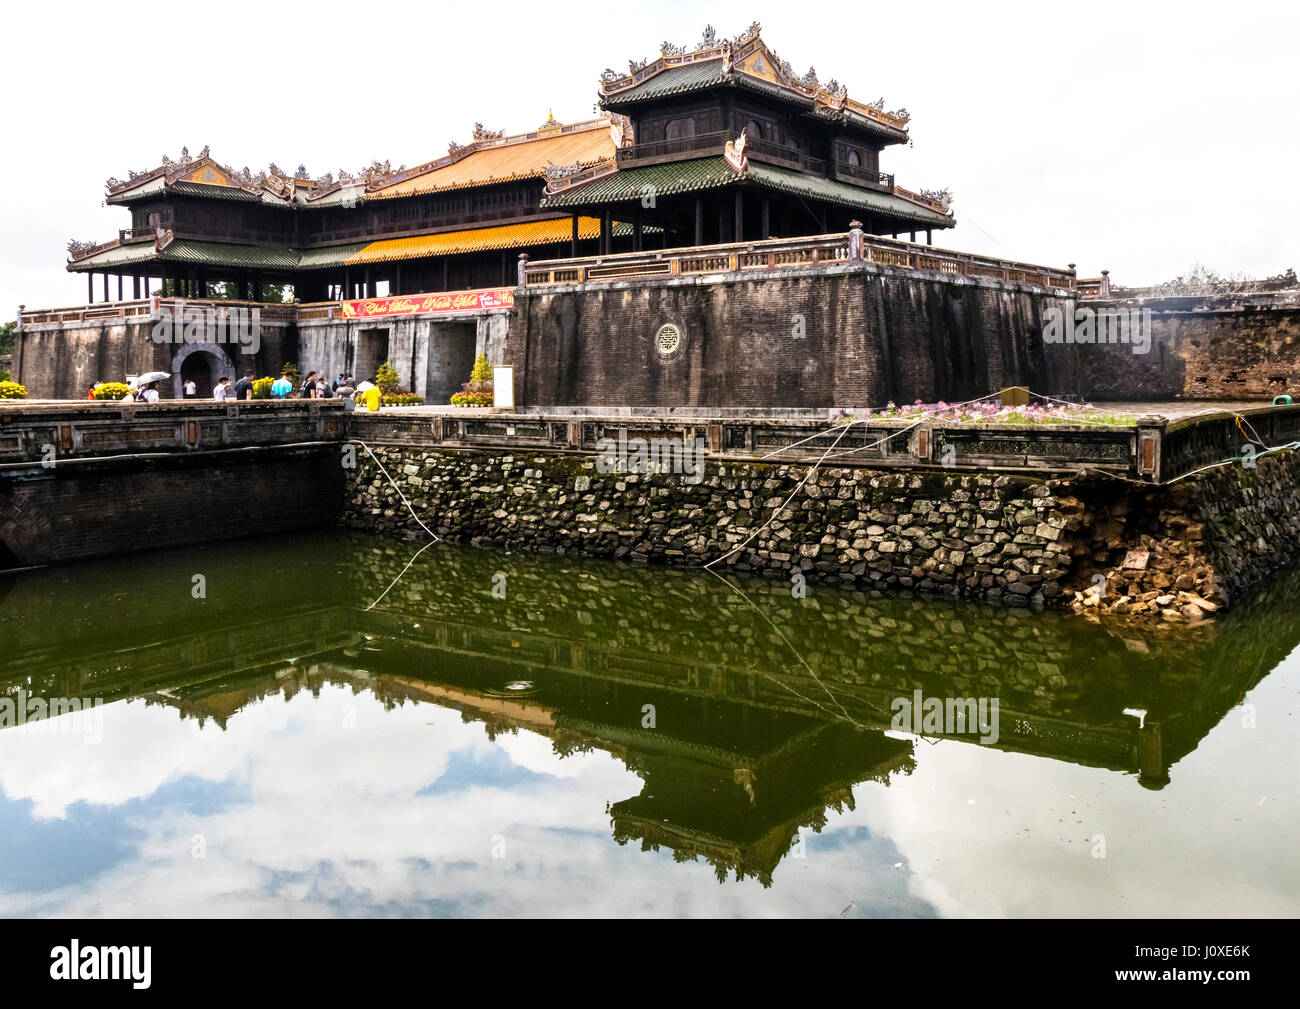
point(1222, 347)
point(987, 536)
point(63, 360)
point(121, 508)
point(1179, 551)
point(849, 335)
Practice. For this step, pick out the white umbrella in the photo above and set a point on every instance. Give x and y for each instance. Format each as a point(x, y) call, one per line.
point(152, 376)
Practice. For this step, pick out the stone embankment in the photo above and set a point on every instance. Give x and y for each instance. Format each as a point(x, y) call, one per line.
point(1099, 546)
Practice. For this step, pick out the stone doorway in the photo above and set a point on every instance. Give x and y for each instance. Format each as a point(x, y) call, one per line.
point(451, 359)
point(372, 351)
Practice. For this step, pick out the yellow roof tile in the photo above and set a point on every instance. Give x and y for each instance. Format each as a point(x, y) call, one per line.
point(507, 162)
point(510, 236)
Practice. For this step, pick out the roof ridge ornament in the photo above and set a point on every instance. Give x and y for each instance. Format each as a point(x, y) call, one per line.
point(554, 171)
point(734, 152)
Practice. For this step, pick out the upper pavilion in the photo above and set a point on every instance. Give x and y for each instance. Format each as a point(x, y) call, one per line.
point(718, 143)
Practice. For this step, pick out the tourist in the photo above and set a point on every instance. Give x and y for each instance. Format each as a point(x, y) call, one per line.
point(308, 388)
point(244, 387)
point(323, 389)
point(281, 388)
point(150, 393)
point(191, 390)
point(91, 394)
point(219, 393)
point(371, 398)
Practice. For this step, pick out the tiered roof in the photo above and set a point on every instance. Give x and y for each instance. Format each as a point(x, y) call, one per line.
point(491, 160)
point(746, 62)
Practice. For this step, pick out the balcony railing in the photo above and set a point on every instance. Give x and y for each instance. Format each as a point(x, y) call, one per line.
point(867, 176)
point(790, 157)
point(666, 149)
point(713, 143)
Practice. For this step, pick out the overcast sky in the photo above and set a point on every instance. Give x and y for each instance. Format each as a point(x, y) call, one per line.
point(1133, 136)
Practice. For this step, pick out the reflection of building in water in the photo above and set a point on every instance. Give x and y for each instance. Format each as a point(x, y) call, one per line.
point(750, 744)
point(724, 782)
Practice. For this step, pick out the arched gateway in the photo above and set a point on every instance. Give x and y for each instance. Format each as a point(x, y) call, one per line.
point(205, 363)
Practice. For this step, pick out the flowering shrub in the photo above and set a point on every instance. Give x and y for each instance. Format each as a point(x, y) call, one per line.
point(12, 390)
point(111, 390)
point(403, 399)
point(987, 412)
point(262, 387)
point(387, 380)
point(478, 390)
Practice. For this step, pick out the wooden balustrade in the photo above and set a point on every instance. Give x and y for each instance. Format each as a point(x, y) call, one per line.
point(792, 253)
point(140, 307)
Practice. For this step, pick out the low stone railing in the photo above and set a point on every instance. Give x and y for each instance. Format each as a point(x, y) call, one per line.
point(40, 435)
point(777, 253)
point(146, 307)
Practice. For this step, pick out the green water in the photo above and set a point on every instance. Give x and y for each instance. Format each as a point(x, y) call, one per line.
point(346, 725)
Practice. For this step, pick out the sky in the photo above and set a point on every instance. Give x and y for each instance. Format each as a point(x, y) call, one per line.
point(1136, 137)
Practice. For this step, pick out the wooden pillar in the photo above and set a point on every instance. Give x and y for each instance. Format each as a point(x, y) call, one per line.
point(767, 217)
point(722, 224)
point(699, 220)
point(573, 238)
point(929, 237)
point(821, 219)
point(105, 276)
point(396, 286)
point(90, 288)
point(739, 231)
point(605, 236)
point(135, 287)
point(119, 287)
point(911, 236)
point(347, 285)
point(367, 291)
point(257, 287)
point(636, 233)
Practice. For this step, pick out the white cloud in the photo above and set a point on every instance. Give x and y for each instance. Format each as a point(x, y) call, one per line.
point(1125, 136)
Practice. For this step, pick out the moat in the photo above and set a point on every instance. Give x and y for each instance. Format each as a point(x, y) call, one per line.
point(342, 724)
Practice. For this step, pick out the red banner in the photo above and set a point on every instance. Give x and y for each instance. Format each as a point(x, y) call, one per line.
point(429, 304)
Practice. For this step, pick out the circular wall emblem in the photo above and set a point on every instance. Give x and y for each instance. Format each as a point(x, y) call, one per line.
point(668, 339)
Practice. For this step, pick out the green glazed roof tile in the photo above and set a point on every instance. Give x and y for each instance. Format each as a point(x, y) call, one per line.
point(671, 81)
point(628, 184)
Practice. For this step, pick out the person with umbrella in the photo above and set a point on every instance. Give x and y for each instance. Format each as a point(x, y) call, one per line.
point(146, 389)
